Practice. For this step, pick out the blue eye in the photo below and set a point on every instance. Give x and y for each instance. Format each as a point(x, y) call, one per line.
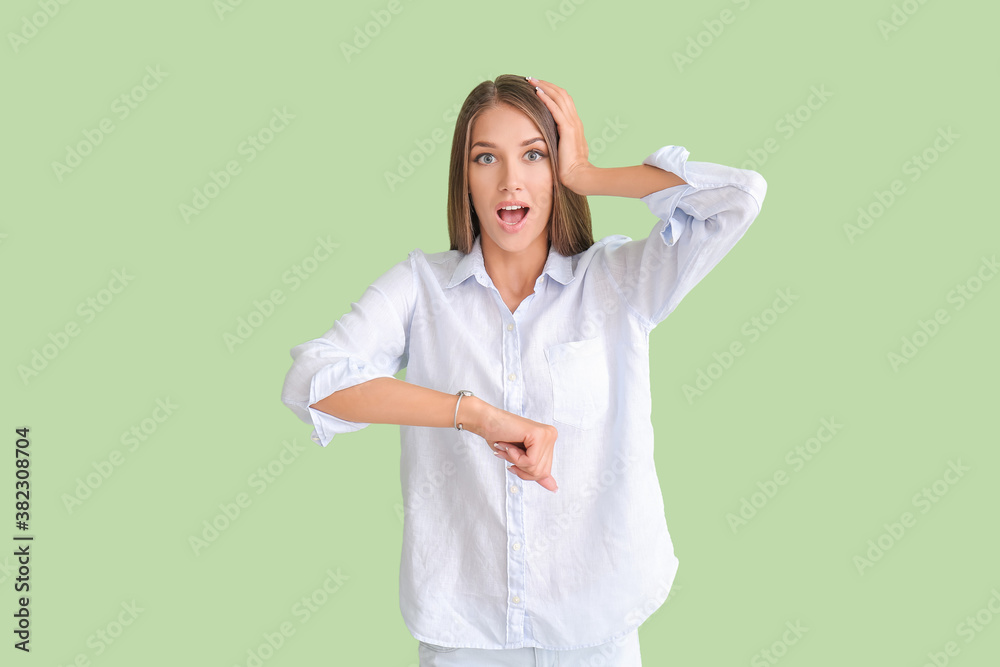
point(533, 150)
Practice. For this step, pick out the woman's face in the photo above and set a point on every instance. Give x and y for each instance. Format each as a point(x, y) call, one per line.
point(509, 162)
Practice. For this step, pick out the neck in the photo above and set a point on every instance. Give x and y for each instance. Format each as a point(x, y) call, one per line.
point(515, 272)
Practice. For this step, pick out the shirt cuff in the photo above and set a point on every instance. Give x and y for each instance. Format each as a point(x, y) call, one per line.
point(663, 203)
point(328, 379)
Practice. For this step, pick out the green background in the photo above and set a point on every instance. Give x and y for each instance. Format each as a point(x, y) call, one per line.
point(324, 175)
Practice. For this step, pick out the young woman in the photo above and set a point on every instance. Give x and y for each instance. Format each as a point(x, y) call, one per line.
point(528, 340)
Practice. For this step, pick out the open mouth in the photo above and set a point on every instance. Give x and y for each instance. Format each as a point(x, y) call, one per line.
point(513, 214)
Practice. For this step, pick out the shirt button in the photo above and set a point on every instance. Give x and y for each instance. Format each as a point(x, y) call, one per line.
point(517, 546)
point(511, 377)
point(513, 489)
point(516, 599)
point(510, 327)
point(315, 438)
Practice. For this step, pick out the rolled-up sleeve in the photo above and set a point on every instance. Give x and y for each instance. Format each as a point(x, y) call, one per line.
point(368, 342)
point(699, 223)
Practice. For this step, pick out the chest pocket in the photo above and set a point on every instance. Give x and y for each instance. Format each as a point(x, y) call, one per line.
point(580, 382)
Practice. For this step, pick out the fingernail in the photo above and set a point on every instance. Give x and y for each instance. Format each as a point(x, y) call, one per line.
point(498, 454)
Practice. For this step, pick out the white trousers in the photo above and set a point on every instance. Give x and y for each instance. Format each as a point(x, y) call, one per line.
point(622, 652)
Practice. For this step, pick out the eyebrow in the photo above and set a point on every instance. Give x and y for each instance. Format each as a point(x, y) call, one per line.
point(489, 145)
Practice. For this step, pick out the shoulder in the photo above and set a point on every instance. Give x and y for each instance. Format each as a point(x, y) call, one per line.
point(397, 280)
point(601, 249)
point(608, 241)
point(436, 265)
point(446, 257)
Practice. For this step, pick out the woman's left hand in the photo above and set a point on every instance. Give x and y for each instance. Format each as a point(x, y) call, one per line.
point(573, 162)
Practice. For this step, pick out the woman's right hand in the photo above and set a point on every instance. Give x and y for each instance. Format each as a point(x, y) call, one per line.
point(524, 442)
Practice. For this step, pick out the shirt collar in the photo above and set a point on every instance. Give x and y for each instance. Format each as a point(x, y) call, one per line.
point(558, 267)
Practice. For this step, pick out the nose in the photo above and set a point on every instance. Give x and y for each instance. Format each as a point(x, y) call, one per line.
point(511, 178)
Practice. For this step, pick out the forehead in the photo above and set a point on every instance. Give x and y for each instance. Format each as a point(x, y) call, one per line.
point(503, 126)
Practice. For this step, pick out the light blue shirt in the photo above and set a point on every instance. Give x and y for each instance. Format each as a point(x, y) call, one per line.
point(490, 560)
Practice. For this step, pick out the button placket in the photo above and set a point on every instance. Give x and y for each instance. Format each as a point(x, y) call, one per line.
point(513, 400)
